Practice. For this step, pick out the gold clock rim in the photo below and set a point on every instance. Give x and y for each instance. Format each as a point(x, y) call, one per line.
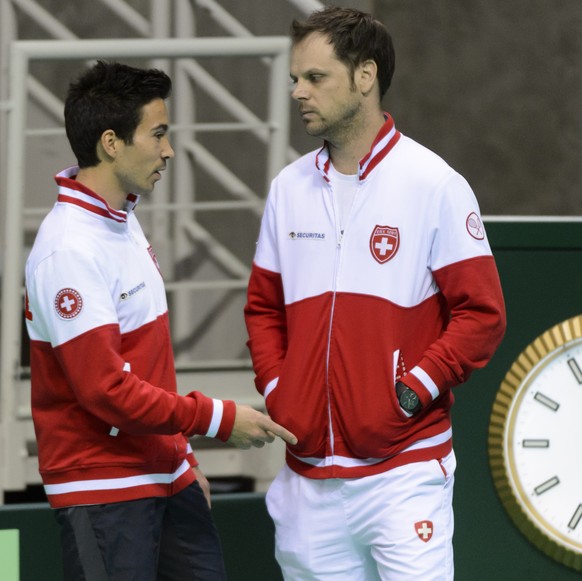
point(548, 343)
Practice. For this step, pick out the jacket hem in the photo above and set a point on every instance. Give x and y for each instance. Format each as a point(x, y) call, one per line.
point(335, 471)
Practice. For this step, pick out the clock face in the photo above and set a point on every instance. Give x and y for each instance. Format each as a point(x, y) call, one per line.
point(535, 442)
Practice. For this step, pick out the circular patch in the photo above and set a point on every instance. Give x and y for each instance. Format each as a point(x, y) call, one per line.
point(68, 303)
point(475, 226)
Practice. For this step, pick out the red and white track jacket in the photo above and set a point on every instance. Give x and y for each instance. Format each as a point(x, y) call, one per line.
point(109, 422)
point(409, 290)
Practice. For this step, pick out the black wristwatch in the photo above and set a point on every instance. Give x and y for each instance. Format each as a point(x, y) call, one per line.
point(407, 398)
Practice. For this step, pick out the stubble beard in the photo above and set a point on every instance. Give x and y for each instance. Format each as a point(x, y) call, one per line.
point(338, 129)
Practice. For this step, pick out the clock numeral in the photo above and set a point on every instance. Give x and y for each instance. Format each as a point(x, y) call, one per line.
point(575, 369)
point(547, 485)
point(576, 518)
point(545, 400)
point(536, 443)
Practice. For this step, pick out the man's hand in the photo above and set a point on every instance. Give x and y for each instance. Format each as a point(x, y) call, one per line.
point(204, 484)
point(253, 428)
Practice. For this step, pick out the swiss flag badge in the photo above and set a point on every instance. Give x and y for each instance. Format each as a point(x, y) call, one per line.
point(424, 529)
point(68, 303)
point(384, 243)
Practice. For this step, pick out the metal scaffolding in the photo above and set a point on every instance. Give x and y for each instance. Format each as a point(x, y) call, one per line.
point(201, 196)
point(23, 53)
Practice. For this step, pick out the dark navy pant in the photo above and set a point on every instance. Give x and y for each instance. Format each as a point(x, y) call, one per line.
point(152, 539)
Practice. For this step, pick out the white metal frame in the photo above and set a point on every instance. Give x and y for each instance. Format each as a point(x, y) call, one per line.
point(21, 54)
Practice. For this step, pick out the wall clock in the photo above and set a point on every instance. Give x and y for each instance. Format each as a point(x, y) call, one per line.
point(535, 442)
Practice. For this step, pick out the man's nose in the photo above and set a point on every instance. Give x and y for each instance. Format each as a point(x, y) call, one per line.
point(168, 151)
point(299, 91)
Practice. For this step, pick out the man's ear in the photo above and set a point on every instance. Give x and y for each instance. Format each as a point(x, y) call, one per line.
point(108, 144)
point(366, 74)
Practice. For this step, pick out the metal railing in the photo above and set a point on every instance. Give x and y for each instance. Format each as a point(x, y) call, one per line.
point(175, 228)
point(23, 53)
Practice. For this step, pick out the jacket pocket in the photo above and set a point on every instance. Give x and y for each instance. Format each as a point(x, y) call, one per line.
point(371, 422)
point(299, 404)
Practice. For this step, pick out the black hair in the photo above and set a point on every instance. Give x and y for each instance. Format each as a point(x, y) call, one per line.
point(109, 96)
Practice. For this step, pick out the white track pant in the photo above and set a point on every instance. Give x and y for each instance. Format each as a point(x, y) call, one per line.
point(394, 526)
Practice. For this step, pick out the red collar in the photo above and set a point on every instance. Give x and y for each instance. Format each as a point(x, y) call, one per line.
point(386, 139)
point(73, 192)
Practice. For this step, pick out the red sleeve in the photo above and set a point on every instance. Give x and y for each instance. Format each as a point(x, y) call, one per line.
point(266, 323)
point(122, 399)
point(473, 295)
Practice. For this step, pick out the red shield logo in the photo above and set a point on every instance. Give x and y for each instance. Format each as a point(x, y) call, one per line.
point(384, 243)
point(154, 258)
point(424, 530)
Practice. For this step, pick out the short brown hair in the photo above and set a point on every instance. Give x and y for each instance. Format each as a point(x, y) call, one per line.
point(355, 37)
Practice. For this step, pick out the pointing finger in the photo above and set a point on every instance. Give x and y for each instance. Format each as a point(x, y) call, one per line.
point(277, 430)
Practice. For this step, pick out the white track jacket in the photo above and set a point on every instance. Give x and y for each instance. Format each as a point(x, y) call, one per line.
point(109, 423)
point(408, 291)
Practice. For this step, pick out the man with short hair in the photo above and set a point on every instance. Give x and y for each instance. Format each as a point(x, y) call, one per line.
point(112, 430)
point(373, 293)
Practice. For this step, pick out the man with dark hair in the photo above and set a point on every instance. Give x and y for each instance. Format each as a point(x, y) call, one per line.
point(373, 293)
point(112, 431)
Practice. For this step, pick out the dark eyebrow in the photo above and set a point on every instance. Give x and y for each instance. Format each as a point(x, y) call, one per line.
point(163, 127)
point(309, 73)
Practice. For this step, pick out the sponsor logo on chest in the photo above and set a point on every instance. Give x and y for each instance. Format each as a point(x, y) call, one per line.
point(306, 236)
point(128, 294)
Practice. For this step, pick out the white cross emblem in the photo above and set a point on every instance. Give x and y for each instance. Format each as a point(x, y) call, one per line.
point(424, 530)
point(383, 246)
point(384, 243)
point(68, 303)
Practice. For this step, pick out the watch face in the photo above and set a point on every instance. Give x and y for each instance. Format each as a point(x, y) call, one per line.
point(535, 444)
point(408, 399)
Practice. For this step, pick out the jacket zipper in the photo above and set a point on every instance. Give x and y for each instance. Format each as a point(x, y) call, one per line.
point(340, 235)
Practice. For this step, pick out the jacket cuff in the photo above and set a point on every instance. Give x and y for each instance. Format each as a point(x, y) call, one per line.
point(213, 418)
point(227, 421)
point(422, 384)
point(265, 381)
